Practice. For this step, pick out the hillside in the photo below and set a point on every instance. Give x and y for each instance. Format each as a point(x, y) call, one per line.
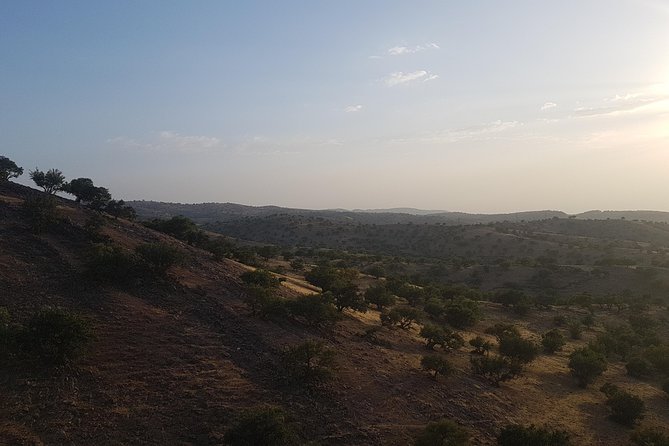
point(175, 359)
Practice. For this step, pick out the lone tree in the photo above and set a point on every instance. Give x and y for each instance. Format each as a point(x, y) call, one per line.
point(9, 169)
point(307, 363)
point(439, 336)
point(51, 181)
point(443, 433)
point(586, 364)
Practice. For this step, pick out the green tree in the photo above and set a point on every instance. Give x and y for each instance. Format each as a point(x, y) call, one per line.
point(524, 350)
point(462, 313)
point(9, 169)
point(403, 317)
point(307, 363)
point(586, 364)
point(443, 433)
point(51, 181)
point(87, 193)
point(626, 409)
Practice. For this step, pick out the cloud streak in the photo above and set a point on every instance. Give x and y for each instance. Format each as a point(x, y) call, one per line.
point(353, 108)
point(168, 141)
point(403, 50)
point(401, 78)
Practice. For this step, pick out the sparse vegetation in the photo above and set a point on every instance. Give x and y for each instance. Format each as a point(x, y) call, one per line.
point(519, 435)
point(443, 433)
point(264, 426)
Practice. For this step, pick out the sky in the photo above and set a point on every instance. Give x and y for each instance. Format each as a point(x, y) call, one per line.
point(476, 106)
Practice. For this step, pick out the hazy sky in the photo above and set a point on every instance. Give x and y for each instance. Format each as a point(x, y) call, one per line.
point(482, 106)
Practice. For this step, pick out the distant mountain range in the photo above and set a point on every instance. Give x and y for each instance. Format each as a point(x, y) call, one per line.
point(213, 212)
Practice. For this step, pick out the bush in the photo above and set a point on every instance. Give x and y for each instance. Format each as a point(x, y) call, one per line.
point(560, 320)
point(307, 363)
point(575, 330)
point(639, 367)
point(502, 330)
point(437, 365)
point(626, 409)
point(650, 437)
point(260, 277)
point(348, 297)
point(267, 426)
point(481, 346)
point(496, 369)
point(158, 257)
point(552, 341)
point(440, 336)
point(53, 337)
point(518, 435)
point(112, 264)
point(586, 364)
point(41, 212)
point(443, 433)
point(523, 350)
point(462, 313)
point(403, 317)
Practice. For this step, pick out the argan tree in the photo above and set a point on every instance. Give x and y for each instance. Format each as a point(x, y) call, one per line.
point(51, 181)
point(586, 364)
point(9, 169)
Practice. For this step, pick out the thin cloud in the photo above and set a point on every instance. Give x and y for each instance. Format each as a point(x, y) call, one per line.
point(619, 104)
point(402, 50)
point(490, 130)
point(548, 106)
point(168, 141)
point(401, 78)
point(353, 108)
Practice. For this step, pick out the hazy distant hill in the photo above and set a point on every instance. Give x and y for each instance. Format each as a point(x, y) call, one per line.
point(656, 216)
point(212, 212)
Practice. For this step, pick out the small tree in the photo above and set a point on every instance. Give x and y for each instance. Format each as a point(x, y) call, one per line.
point(87, 193)
point(314, 310)
point(552, 341)
point(437, 365)
point(481, 346)
point(518, 435)
point(626, 409)
point(586, 364)
point(347, 296)
point(380, 296)
point(307, 363)
point(403, 317)
point(9, 169)
point(524, 350)
point(440, 336)
point(51, 181)
point(265, 426)
point(443, 433)
point(496, 369)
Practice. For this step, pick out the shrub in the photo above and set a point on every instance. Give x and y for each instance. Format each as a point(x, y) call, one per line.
point(639, 367)
point(434, 307)
point(552, 341)
point(501, 330)
point(402, 317)
point(462, 313)
point(523, 350)
point(112, 264)
point(658, 355)
point(348, 297)
point(380, 296)
point(518, 435)
point(443, 433)
point(440, 336)
point(41, 212)
point(158, 257)
point(575, 330)
point(307, 363)
point(437, 365)
point(586, 364)
point(54, 337)
point(560, 320)
point(649, 437)
point(266, 426)
point(481, 346)
point(626, 409)
point(260, 277)
point(496, 369)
